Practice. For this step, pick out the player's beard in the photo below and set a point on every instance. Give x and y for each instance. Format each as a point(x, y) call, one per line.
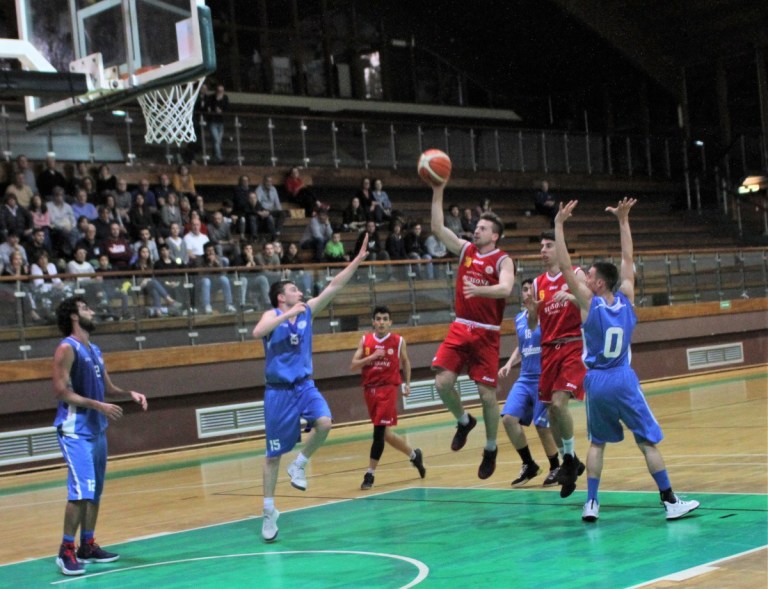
point(87, 325)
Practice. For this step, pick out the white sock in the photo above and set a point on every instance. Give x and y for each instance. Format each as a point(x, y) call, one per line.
point(269, 503)
point(490, 445)
point(301, 460)
point(568, 446)
point(464, 419)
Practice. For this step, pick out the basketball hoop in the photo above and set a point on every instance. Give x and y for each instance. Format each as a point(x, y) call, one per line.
point(168, 113)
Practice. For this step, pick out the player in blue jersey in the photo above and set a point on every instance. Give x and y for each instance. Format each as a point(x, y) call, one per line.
point(613, 391)
point(290, 392)
point(523, 406)
point(81, 383)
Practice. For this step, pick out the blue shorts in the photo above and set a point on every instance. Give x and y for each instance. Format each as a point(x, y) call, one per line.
point(86, 460)
point(614, 396)
point(283, 410)
point(523, 402)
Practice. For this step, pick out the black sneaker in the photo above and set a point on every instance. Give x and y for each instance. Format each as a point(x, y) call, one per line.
point(67, 562)
point(418, 462)
point(488, 465)
point(527, 472)
point(92, 552)
point(551, 479)
point(367, 481)
point(570, 470)
point(462, 431)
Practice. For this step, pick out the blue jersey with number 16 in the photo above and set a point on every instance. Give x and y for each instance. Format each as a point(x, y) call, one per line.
point(607, 333)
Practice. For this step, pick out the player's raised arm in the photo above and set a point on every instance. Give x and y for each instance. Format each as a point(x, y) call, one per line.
point(321, 301)
point(627, 276)
point(439, 230)
point(579, 289)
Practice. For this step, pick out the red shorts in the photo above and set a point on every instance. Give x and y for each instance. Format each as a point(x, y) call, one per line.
point(474, 347)
point(382, 404)
point(562, 369)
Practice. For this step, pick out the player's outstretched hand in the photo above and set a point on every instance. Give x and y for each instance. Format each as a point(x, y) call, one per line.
point(363, 253)
point(621, 210)
point(565, 211)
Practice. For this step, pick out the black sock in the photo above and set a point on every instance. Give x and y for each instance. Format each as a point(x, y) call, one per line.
point(554, 461)
point(525, 454)
point(668, 496)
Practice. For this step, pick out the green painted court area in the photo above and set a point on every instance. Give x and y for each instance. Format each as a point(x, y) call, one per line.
point(435, 538)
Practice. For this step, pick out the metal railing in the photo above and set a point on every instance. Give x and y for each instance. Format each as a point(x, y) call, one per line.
point(417, 292)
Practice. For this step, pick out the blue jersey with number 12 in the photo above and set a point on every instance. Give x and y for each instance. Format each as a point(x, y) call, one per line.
point(608, 333)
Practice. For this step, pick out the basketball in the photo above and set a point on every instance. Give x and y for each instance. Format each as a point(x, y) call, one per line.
point(434, 167)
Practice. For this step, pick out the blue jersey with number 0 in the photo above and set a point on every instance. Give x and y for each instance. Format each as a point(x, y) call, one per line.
point(529, 343)
point(288, 351)
point(608, 333)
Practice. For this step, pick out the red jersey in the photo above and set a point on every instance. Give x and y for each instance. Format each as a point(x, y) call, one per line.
point(385, 370)
point(483, 270)
point(557, 320)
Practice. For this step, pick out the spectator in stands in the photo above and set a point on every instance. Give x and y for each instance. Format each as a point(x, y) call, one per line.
point(164, 188)
point(110, 203)
point(139, 217)
point(221, 237)
point(268, 258)
point(395, 243)
point(170, 213)
point(453, 220)
point(16, 218)
point(47, 288)
point(105, 179)
point(123, 199)
point(195, 240)
point(256, 220)
point(240, 196)
point(24, 167)
point(81, 206)
point(194, 214)
point(468, 223)
point(435, 247)
point(177, 245)
point(218, 105)
point(103, 224)
point(258, 285)
point(89, 186)
point(79, 174)
point(162, 302)
point(198, 205)
point(38, 245)
point(302, 277)
point(63, 222)
point(10, 245)
point(354, 216)
point(91, 244)
point(183, 182)
point(364, 194)
point(376, 251)
point(299, 193)
point(20, 189)
point(19, 269)
point(316, 234)
point(545, 202)
point(215, 281)
point(483, 207)
point(80, 230)
point(414, 247)
point(171, 282)
point(229, 215)
point(150, 200)
point(50, 178)
point(80, 265)
point(146, 240)
point(185, 210)
point(40, 216)
point(269, 199)
point(334, 249)
point(117, 248)
point(381, 207)
point(293, 183)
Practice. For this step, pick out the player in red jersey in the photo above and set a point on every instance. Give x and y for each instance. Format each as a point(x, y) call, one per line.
point(382, 355)
point(484, 279)
point(562, 369)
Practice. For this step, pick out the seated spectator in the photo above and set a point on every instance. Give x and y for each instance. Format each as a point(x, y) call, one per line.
point(123, 199)
point(435, 247)
point(414, 247)
point(177, 245)
point(217, 280)
point(91, 244)
point(110, 203)
point(139, 216)
point(63, 223)
point(162, 302)
point(17, 268)
point(146, 240)
point(164, 188)
point(453, 220)
point(150, 200)
point(228, 213)
point(376, 251)
point(48, 289)
point(256, 220)
point(50, 178)
point(103, 223)
point(20, 189)
point(483, 207)
point(395, 243)
point(354, 216)
point(113, 288)
point(25, 167)
point(545, 203)
point(195, 240)
point(302, 277)
point(198, 205)
point(37, 246)
point(364, 195)
point(334, 249)
point(80, 173)
point(16, 218)
point(81, 206)
point(468, 223)
point(41, 218)
point(93, 288)
point(381, 207)
point(270, 201)
point(299, 193)
point(117, 248)
point(173, 283)
point(219, 234)
point(105, 179)
point(170, 213)
point(10, 245)
point(183, 182)
point(185, 210)
point(316, 234)
point(257, 283)
point(89, 186)
point(240, 196)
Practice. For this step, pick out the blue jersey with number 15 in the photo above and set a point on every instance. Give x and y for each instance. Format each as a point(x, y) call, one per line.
point(607, 333)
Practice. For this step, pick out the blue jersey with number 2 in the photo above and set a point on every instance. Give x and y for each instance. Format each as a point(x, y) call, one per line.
point(608, 333)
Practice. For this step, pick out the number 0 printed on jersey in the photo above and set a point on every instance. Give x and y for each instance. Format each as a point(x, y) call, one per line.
point(614, 337)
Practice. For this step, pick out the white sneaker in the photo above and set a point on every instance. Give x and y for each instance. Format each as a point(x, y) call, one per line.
point(591, 511)
point(298, 476)
point(208, 309)
point(269, 525)
point(680, 508)
point(231, 309)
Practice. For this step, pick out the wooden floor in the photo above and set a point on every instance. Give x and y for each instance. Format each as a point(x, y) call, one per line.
point(716, 441)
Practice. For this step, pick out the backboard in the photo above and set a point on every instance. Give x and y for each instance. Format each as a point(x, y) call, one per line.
point(125, 47)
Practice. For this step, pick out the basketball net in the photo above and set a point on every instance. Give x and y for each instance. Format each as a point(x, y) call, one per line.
point(168, 113)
